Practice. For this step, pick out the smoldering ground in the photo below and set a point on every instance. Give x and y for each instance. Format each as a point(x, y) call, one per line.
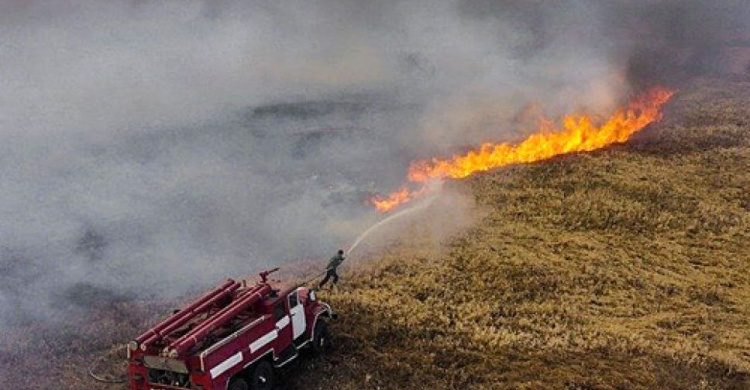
point(153, 147)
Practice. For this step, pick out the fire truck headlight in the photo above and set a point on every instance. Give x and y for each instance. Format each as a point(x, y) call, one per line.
point(311, 295)
point(133, 345)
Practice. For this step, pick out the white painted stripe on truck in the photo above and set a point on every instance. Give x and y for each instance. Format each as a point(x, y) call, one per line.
point(263, 341)
point(226, 364)
point(280, 324)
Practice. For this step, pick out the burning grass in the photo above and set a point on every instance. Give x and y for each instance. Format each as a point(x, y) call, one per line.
point(624, 268)
point(579, 133)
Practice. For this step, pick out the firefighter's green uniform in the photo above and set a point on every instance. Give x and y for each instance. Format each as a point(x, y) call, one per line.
point(335, 261)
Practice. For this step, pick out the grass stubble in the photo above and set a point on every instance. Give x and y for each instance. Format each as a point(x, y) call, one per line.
point(624, 268)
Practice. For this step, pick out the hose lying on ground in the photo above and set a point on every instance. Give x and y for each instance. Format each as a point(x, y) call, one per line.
point(113, 380)
point(101, 378)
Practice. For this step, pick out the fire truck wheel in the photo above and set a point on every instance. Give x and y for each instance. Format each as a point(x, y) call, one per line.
point(262, 378)
point(238, 384)
point(321, 338)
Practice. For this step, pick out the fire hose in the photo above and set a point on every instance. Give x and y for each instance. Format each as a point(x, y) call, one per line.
point(102, 378)
point(424, 204)
point(310, 279)
point(109, 379)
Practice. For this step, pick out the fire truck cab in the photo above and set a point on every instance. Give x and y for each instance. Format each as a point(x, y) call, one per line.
point(232, 338)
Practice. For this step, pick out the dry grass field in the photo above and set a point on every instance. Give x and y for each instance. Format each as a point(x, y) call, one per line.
point(626, 268)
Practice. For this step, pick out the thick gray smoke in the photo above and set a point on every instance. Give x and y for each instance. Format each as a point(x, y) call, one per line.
point(153, 146)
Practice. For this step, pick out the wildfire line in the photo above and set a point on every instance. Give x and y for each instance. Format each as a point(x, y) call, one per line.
point(579, 133)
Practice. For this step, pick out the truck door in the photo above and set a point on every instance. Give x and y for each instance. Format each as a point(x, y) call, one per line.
point(297, 311)
point(283, 328)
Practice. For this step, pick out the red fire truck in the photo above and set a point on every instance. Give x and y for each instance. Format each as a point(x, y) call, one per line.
point(232, 338)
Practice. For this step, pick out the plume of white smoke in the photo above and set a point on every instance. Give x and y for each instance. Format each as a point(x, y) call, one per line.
point(148, 147)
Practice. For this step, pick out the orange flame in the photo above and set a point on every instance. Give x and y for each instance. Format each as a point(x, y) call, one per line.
point(579, 134)
point(394, 199)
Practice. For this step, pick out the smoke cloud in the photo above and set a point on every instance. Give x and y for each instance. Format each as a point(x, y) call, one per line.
point(150, 147)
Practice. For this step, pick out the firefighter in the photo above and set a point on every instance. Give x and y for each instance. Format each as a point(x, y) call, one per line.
point(335, 261)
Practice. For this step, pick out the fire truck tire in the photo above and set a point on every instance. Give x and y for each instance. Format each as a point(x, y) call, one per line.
point(262, 377)
point(321, 338)
point(238, 384)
